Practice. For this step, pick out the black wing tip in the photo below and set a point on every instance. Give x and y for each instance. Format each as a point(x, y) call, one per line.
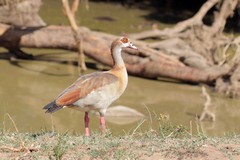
point(49, 105)
point(52, 107)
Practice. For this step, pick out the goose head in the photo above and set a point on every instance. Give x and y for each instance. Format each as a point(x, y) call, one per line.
point(122, 42)
point(126, 43)
point(116, 49)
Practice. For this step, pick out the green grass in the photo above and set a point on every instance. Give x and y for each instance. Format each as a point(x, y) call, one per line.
point(60, 148)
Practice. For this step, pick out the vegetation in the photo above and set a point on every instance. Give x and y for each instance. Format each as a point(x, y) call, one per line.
point(168, 141)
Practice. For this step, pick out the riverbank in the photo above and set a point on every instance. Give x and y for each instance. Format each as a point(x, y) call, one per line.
point(165, 143)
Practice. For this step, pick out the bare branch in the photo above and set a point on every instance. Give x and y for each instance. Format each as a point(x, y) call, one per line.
point(78, 39)
point(74, 7)
point(226, 10)
point(22, 147)
point(179, 27)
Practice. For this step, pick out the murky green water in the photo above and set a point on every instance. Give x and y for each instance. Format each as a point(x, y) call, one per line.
point(26, 86)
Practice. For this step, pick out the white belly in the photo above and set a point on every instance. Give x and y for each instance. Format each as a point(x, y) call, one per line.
point(99, 99)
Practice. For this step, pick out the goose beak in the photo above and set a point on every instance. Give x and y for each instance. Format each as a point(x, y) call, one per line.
point(132, 46)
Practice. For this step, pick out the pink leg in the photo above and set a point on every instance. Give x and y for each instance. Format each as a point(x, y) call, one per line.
point(86, 121)
point(102, 123)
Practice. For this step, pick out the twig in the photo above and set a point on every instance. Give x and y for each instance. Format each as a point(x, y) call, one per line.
point(22, 147)
point(190, 128)
point(74, 7)
point(150, 116)
point(21, 143)
point(71, 17)
point(224, 54)
point(206, 112)
point(138, 126)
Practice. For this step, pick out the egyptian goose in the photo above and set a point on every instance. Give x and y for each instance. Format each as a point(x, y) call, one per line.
point(96, 91)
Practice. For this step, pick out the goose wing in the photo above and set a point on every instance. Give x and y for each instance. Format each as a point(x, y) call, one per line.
point(83, 86)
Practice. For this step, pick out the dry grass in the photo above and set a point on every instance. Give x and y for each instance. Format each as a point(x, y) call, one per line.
point(149, 145)
point(168, 142)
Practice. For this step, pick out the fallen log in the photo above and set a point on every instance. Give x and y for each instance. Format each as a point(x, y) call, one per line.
point(148, 63)
point(202, 45)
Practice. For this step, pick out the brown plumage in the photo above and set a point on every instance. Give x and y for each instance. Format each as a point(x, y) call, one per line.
point(96, 91)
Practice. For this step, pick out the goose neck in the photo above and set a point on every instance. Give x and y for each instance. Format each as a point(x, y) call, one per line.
point(117, 57)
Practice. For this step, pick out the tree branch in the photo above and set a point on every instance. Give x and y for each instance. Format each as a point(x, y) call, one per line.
point(78, 39)
point(179, 27)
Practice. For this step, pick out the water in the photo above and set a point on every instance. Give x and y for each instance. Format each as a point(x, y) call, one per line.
point(26, 86)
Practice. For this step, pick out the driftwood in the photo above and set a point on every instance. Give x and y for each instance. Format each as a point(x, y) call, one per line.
point(147, 62)
point(191, 51)
point(204, 46)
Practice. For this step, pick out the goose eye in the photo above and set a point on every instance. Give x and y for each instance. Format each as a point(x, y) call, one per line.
point(124, 40)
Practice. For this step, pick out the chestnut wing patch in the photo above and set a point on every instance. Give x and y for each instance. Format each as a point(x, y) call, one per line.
point(83, 86)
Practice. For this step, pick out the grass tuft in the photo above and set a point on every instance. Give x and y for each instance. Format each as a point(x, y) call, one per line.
point(166, 142)
point(60, 149)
